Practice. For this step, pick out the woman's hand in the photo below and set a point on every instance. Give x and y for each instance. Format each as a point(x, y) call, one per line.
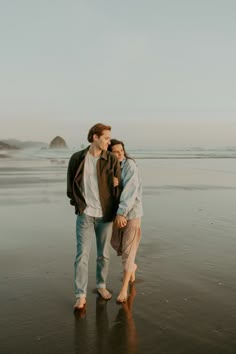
point(115, 181)
point(120, 221)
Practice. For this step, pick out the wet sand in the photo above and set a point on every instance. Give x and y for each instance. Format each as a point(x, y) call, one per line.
point(184, 297)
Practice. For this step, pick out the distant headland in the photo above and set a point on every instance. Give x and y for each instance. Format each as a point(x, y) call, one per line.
point(6, 146)
point(14, 144)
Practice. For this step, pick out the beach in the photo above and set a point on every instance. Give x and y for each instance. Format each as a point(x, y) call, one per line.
point(183, 301)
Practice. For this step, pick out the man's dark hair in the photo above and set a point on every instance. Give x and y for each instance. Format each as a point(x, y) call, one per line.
point(98, 130)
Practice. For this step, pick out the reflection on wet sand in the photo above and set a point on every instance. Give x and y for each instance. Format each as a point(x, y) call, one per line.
point(81, 343)
point(123, 336)
point(118, 337)
point(102, 326)
point(188, 239)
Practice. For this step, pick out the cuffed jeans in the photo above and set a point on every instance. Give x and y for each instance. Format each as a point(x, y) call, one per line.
point(86, 226)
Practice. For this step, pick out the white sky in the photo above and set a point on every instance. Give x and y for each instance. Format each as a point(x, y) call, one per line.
point(160, 72)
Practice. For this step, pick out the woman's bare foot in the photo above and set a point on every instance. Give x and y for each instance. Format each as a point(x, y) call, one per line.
point(104, 293)
point(132, 278)
point(80, 303)
point(122, 297)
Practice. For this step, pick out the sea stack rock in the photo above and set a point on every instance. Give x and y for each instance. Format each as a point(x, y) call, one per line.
point(58, 143)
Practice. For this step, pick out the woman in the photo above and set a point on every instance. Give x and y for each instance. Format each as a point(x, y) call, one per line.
point(127, 225)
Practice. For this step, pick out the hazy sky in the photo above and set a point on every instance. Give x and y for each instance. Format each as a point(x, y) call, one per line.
point(160, 72)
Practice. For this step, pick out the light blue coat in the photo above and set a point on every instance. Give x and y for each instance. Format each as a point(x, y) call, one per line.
point(130, 205)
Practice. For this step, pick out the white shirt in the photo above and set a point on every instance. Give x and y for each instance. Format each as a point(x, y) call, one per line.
point(90, 187)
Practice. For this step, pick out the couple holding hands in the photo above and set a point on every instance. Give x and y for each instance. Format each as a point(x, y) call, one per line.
point(104, 186)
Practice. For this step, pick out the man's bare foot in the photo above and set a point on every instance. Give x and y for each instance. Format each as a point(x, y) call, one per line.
point(104, 293)
point(122, 297)
point(80, 303)
point(132, 278)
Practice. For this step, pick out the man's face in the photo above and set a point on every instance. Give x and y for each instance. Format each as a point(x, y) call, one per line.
point(103, 141)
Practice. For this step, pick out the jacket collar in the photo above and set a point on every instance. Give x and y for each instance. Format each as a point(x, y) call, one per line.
point(103, 155)
point(123, 162)
point(84, 152)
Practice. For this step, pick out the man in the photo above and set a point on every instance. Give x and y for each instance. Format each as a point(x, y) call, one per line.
point(90, 187)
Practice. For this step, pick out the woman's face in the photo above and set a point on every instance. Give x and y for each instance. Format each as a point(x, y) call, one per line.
point(118, 151)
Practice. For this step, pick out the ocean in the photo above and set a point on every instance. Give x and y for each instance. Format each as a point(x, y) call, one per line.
point(137, 153)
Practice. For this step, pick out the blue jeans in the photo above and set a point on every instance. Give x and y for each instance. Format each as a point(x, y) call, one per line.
point(86, 226)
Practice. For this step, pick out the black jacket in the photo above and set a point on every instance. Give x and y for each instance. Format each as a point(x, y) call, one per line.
point(107, 167)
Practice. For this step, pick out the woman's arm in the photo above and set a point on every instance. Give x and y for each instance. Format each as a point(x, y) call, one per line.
point(130, 183)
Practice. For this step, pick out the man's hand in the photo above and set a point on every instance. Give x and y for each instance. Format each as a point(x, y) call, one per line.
point(120, 221)
point(115, 181)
